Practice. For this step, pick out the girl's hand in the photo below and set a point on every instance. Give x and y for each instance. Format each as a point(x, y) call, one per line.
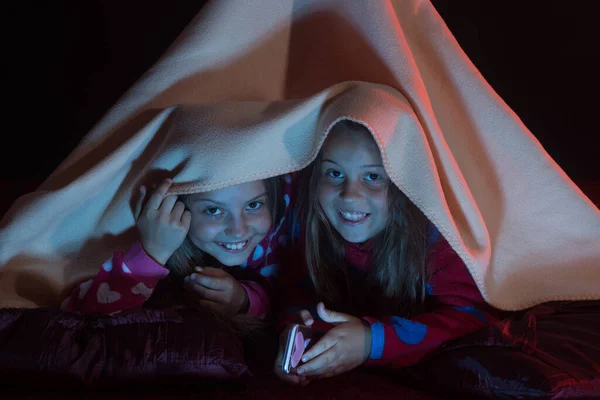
point(163, 222)
point(343, 348)
point(305, 318)
point(215, 288)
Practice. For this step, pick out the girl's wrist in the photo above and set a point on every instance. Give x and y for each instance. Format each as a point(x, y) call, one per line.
point(368, 339)
point(155, 255)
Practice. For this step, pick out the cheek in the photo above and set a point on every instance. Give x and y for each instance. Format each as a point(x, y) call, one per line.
point(261, 223)
point(379, 201)
point(325, 194)
point(204, 231)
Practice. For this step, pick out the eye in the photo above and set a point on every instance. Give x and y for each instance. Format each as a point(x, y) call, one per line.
point(335, 174)
point(213, 211)
point(255, 205)
point(373, 177)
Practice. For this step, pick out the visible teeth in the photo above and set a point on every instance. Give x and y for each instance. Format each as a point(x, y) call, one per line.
point(234, 246)
point(353, 215)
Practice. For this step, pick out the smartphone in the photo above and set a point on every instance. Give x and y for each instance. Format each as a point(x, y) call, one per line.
point(300, 339)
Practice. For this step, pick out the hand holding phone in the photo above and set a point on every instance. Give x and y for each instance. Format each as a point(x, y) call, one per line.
point(304, 318)
point(300, 339)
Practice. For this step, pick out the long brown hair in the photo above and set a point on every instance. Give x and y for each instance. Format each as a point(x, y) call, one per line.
point(398, 274)
point(170, 293)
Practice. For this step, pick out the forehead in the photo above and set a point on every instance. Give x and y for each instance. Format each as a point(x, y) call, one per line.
point(354, 144)
point(241, 193)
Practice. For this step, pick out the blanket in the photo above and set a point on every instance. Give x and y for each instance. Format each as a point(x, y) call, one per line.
point(251, 89)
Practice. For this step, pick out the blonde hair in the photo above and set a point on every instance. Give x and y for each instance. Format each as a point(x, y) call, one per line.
point(396, 280)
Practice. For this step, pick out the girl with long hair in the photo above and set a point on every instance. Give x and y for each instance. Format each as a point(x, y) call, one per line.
point(388, 289)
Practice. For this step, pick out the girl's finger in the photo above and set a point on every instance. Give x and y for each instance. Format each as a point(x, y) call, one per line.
point(290, 378)
point(304, 380)
point(324, 344)
point(206, 293)
point(178, 210)
point(210, 282)
point(295, 379)
point(333, 317)
point(157, 196)
point(307, 319)
point(167, 204)
point(323, 364)
point(214, 272)
point(186, 219)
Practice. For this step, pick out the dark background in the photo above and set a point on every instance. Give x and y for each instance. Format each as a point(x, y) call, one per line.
point(67, 63)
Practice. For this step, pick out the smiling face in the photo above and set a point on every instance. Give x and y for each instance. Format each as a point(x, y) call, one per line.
point(353, 185)
point(229, 223)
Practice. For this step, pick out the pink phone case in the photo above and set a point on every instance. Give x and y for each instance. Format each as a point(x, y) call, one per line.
point(300, 339)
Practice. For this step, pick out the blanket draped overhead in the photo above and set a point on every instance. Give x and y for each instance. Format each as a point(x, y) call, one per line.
point(250, 90)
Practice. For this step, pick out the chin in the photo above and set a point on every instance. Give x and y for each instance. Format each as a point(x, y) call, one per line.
point(232, 261)
point(353, 238)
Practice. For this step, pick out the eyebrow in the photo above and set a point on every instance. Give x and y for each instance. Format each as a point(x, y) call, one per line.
point(223, 204)
point(362, 166)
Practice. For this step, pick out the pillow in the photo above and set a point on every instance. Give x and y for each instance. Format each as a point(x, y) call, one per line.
point(551, 351)
point(49, 347)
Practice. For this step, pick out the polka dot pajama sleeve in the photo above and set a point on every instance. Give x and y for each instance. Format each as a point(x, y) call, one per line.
point(125, 281)
point(456, 309)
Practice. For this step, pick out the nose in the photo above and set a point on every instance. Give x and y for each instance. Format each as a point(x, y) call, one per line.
point(237, 228)
point(351, 191)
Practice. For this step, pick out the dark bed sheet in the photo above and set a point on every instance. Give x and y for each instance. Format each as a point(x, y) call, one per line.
point(551, 351)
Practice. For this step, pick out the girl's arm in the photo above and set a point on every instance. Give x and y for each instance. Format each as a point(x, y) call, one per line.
point(458, 309)
point(259, 304)
point(233, 291)
point(398, 342)
point(125, 281)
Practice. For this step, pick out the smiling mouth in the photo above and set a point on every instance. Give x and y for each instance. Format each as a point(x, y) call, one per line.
point(234, 247)
point(353, 217)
